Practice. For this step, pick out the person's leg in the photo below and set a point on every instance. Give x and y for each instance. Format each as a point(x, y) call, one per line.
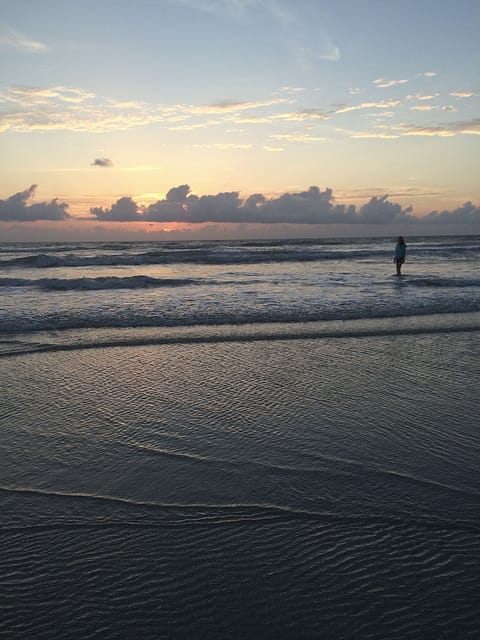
point(398, 264)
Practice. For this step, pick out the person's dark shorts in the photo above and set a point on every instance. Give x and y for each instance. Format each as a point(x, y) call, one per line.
point(399, 260)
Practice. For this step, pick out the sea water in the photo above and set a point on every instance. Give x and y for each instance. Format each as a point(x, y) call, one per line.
point(58, 286)
point(240, 440)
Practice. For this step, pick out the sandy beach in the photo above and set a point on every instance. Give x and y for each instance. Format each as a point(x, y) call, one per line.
point(308, 488)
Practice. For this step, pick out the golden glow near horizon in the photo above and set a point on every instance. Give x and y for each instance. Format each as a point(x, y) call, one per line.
point(281, 97)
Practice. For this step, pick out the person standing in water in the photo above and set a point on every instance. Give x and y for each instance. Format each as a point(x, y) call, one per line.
point(400, 252)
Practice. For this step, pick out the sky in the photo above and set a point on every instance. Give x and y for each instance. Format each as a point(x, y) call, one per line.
point(184, 119)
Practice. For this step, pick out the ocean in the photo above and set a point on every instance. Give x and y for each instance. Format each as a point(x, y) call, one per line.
point(249, 439)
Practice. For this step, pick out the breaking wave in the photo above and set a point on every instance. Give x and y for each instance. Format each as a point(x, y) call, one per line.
point(98, 283)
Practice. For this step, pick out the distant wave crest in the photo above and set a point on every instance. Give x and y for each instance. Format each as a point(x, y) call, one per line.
point(105, 282)
point(211, 256)
point(145, 282)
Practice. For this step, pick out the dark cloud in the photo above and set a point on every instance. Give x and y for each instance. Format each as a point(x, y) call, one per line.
point(311, 207)
point(124, 210)
point(307, 207)
point(170, 209)
point(466, 214)
point(381, 211)
point(303, 208)
point(16, 208)
point(178, 194)
point(102, 162)
point(223, 207)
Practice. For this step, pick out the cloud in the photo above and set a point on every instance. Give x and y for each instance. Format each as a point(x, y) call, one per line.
point(298, 137)
point(16, 208)
point(462, 94)
point(307, 207)
point(469, 127)
point(310, 207)
point(384, 84)
point(375, 134)
point(125, 104)
point(233, 107)
point(421, 96)
point(427, 74)
point(271, 149)
point(124, 210)
point(433, 107)
point(60, 108)
point(222, 207)
point(300, 116)
point(28, 96)
point(292, 90)
point(447, 130)
point(11, 39)
point(197, 125)
point(467, 214)
point(384, 104)
point(313, 206)
point(102, 162)
point(381, 211)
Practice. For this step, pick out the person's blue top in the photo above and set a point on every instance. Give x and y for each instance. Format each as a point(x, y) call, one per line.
point(400, 251)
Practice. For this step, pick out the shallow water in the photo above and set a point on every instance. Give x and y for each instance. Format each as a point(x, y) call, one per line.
point(160, 284)
point(215, 487)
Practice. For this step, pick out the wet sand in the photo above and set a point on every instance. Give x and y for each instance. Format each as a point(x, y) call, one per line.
point(317, 487)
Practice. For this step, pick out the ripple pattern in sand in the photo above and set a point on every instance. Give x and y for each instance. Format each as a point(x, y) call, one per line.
point(269, 490)
point(225, 577)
